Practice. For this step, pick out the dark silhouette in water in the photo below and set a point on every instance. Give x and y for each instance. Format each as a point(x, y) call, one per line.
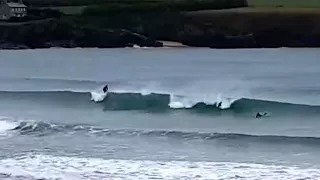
point(105, 88)
point(219, 105)
point(260, 115)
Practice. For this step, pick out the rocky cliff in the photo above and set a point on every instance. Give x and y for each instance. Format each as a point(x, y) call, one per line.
point(59, 33)
point(252, 28)
point(235, 28)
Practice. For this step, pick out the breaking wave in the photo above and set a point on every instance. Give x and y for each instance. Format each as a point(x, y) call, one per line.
point(31, 127)
point(97, 96)
point(42, 166)
point(5, 126)
point(156, 101)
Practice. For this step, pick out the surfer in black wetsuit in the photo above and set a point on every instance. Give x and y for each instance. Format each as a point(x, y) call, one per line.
point(105, 88)
point(260, 115)
point(219, 105)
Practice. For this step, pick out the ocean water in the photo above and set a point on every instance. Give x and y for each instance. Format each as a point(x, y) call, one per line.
point(170, 113)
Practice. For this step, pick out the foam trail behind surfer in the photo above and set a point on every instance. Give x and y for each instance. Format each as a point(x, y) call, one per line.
point(100, 96)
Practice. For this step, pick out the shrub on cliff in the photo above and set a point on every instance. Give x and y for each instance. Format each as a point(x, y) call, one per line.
point(38, 14)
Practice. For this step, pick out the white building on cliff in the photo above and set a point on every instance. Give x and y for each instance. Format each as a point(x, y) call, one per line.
point(9, 9)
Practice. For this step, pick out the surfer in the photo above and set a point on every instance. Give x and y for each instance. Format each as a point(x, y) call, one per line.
point(99, 96)
point(219, 105)
point(260, 115)
point(105, 89)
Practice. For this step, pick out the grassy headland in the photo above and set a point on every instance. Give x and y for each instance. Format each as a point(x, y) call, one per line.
point(285, 3)
point(208, 23)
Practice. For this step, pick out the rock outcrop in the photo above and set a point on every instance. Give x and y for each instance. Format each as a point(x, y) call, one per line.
point(57, 33)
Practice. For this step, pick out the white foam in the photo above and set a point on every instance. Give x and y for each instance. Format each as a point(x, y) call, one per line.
point(178, 102)
point(145, 92)
point(51, 167)
point(98, 95)
point(225, 101)
point(185, 96)
point(135, 46)
point(6, 125)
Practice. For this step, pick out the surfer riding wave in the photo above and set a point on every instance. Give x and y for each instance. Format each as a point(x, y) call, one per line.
point(99, 96)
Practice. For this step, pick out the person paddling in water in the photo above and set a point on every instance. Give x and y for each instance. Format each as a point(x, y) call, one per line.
point(260, 115)
point(105, 89)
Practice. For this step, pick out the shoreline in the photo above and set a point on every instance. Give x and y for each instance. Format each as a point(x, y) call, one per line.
point(165, 46)
point(159, 48)
point(173, 44)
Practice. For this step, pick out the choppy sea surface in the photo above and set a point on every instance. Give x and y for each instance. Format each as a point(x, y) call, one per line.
point(170, 113)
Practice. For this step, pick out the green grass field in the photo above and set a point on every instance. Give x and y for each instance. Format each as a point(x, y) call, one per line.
point(162, 6)
point(68, 10)
point(104, 7)
point(101, 7)
point(285, 3)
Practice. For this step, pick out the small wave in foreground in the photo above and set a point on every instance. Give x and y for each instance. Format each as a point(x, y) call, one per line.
point(37, 166)
point(39, 128)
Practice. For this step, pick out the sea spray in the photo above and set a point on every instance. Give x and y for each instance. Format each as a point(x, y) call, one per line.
point(225, 102)
point(98, 95)
point(5, 126)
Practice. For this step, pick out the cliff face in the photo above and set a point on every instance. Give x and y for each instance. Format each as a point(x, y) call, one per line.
point(58, 33)
point(240, 28)
point(248, 28)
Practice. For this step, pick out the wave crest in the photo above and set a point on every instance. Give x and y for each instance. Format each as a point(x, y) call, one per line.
point(178, 102)
point(158, 102)
point(43, 128)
